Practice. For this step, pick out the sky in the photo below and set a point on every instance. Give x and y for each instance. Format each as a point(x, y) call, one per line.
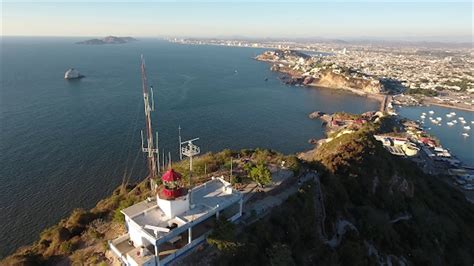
point(423, 20)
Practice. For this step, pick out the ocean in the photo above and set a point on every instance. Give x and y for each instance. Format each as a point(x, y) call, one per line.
point(67, 144)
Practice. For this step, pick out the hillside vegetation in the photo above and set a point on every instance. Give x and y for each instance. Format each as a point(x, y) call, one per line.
point(398, 214)
point(81, 238)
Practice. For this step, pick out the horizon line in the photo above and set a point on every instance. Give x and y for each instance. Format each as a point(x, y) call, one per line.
point(406, 39)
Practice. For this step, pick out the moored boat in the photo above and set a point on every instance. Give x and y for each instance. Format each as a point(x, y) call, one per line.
point(72, 74)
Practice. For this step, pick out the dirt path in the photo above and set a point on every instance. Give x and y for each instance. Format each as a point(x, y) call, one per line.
point(319, 208)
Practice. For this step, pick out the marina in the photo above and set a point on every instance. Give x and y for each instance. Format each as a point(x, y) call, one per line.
point(455, 156)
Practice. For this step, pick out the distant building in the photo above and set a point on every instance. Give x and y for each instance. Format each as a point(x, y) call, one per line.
point(399, 146)
point(163, 229)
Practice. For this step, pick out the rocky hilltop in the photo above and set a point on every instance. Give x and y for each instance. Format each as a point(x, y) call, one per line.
point(368, 207)
point(108, 40)
point(333, 80)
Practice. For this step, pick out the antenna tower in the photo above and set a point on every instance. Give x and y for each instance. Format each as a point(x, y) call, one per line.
point(188, 149)
point(149, 149)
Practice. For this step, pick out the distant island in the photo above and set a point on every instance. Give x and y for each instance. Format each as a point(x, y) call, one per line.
point(108, 40)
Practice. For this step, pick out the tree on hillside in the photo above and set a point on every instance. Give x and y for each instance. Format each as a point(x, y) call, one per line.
point(261, 174)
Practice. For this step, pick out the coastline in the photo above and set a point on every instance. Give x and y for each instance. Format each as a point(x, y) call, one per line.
point(430, 102)
point(438, 104)
point(291, 75)
point(378, 97)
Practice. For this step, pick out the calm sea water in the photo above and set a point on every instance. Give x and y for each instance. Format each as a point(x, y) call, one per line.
point(450, 136)
point(67, 144)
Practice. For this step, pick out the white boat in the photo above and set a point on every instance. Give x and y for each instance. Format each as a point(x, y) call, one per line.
point(450, 123)
point(462, 121)
point(439, 118)
point(453, 113)
point(431, 112)
point(422, 117)
point(467, 127)
point(465, 135)
point(72, 74)
point(423, 113)
point(461, 118)
point(455, 121)
point(472, 122)
point(449, 115)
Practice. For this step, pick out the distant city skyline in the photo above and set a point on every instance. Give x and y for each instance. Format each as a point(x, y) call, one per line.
point(421, 21)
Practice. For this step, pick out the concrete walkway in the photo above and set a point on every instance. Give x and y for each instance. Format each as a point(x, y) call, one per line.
point(263, 206)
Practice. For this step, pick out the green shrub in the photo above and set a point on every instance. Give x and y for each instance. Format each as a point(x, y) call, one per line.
point(127, 202)
point(66, 247)
point(261, 174)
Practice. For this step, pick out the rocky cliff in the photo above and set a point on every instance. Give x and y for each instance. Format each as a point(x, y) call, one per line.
point(334, 80)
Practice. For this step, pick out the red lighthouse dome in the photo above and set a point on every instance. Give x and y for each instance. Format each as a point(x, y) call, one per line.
point(172, 187)
point(171, 176)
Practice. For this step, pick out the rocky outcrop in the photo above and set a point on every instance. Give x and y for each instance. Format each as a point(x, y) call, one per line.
point(334, 80)
point(316, 115)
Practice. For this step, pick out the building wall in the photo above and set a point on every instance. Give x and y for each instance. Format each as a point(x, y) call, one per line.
point(132, 262)
point(135, 233)
point(171, 208)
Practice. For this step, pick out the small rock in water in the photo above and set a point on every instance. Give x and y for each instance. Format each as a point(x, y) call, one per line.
point(315, 115)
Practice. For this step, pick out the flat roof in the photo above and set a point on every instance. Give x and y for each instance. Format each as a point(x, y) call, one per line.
point(205, 198)
point(139, 208)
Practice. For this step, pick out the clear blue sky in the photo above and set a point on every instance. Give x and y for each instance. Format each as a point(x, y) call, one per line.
point(430, 20)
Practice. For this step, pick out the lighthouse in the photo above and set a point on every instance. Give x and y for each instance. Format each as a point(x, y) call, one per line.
point(172, 197)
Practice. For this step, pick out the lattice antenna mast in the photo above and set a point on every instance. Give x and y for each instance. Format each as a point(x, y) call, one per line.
point(149, 149)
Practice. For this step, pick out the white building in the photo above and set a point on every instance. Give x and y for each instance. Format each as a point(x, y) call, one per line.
point(162, 230)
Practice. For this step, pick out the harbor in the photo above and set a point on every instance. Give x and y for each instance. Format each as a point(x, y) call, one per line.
point(444, 138)
point(415, 140)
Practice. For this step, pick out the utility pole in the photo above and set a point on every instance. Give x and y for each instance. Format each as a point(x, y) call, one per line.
point(169, 160)
point(179, 139)
point(163, 160)
point(149, 105)
point(230, 177)
point(157, 153)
